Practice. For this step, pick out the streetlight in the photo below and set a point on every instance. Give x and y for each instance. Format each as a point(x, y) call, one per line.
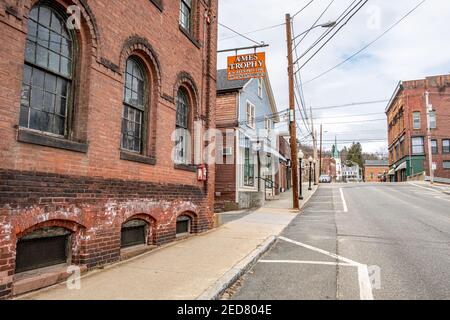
point(310, 159)
point(300, 157)
point(329, 24)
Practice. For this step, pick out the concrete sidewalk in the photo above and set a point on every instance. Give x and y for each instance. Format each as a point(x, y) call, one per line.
point(194, 268)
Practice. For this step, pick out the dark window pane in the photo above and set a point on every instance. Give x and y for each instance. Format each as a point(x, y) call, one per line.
point(27, 74)
point(43, 36)
point(61, 88)
point(23, 121)
point(38, 78)
point(25, 96)
point(60, 106)
point(128, 96)
point(66, 47)
point(49, 102)
point(53, 62)
point(37, 98)
point(42, 56)
point(30, 52)
point(34, 13)
point(50, 83)
point(44, 16)
point(59, 125)
point(56, 23)
point(35, 119)
point(55, 42)
point(32, 31)
point(65, 67)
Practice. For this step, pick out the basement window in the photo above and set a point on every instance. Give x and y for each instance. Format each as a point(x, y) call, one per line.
point(133, 233)
point(43, 248)
point(183, 225)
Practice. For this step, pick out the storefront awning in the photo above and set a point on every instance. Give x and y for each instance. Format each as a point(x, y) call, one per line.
point(401, 167)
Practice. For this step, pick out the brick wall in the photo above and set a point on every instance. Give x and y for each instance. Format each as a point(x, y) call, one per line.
point(92, 191)
point(410, 99)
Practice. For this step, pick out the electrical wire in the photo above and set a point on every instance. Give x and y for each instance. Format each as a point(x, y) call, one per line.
point(329, 39)
point(254, 31)
point(240, 34)
point(366, 46)
point(301, 10)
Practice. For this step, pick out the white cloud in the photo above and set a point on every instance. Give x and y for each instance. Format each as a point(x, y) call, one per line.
point(416, 48)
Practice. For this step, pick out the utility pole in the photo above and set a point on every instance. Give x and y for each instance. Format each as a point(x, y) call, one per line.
point(429, 109)
point(292, 122)
point(320, 151)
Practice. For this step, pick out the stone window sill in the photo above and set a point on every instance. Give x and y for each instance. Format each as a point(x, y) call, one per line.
point(42, 139)
point(186, 167)
point(190, 37)
point(134, 157)
point(157, 4)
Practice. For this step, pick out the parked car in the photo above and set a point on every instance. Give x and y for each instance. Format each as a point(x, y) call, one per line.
point(325, 178)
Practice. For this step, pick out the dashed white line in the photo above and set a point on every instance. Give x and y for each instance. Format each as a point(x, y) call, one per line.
point(344, 203)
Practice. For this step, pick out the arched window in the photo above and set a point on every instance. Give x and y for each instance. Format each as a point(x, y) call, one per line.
point(48, 72)
point(134, 233)
point(182, 129)
point(134, 106)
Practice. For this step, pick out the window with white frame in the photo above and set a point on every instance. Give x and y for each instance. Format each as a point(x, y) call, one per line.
point(260, 87)
point(416, 120)
point(446, 146)
point(182, 143)
point(434, 147)
point(186, 14)
point(248, 166)
point(250, 115)
point(417, 145)
point(446, 164)
point(432, 116)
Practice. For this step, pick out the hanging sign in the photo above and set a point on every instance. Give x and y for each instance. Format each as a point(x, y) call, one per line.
point(247, 66)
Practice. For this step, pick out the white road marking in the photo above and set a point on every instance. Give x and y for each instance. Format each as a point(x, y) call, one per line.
point(422, 187)
point(365, 286)
point(308, 262)
point(344, 203)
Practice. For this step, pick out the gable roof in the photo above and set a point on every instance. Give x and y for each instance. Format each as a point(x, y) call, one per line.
point(224, 85)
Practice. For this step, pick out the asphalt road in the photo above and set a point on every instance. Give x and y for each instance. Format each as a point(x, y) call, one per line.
point(359, 241)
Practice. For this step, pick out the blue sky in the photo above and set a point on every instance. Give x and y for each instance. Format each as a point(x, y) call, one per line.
point(417, 47)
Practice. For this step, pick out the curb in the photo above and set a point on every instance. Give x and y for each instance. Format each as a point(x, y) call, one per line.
point(306, 200)
point(230, 277)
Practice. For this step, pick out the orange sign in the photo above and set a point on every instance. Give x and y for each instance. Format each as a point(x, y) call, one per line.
point(247, 66)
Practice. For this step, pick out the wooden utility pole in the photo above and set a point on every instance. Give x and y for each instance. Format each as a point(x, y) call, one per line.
point(429, 109)
point(320, 151)
point(292, 122)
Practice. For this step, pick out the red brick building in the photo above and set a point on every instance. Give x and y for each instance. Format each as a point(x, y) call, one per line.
point(87, 114)
point(376, 170)
point(329, 167)
point(407, 125)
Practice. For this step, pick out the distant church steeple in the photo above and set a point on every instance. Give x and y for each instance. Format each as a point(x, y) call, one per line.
point(335, 150)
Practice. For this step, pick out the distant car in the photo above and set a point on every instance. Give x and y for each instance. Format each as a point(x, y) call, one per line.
point(325, 179)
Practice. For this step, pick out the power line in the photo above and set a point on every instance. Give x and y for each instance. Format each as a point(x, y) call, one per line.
point(254, 31)
point(315, 23)
point(301, 10)
point(339, 19)
point(362, 121)
point(352, 104)
point(332, 36)
point(368, 45)
point(240, 34)
point(355, 115)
